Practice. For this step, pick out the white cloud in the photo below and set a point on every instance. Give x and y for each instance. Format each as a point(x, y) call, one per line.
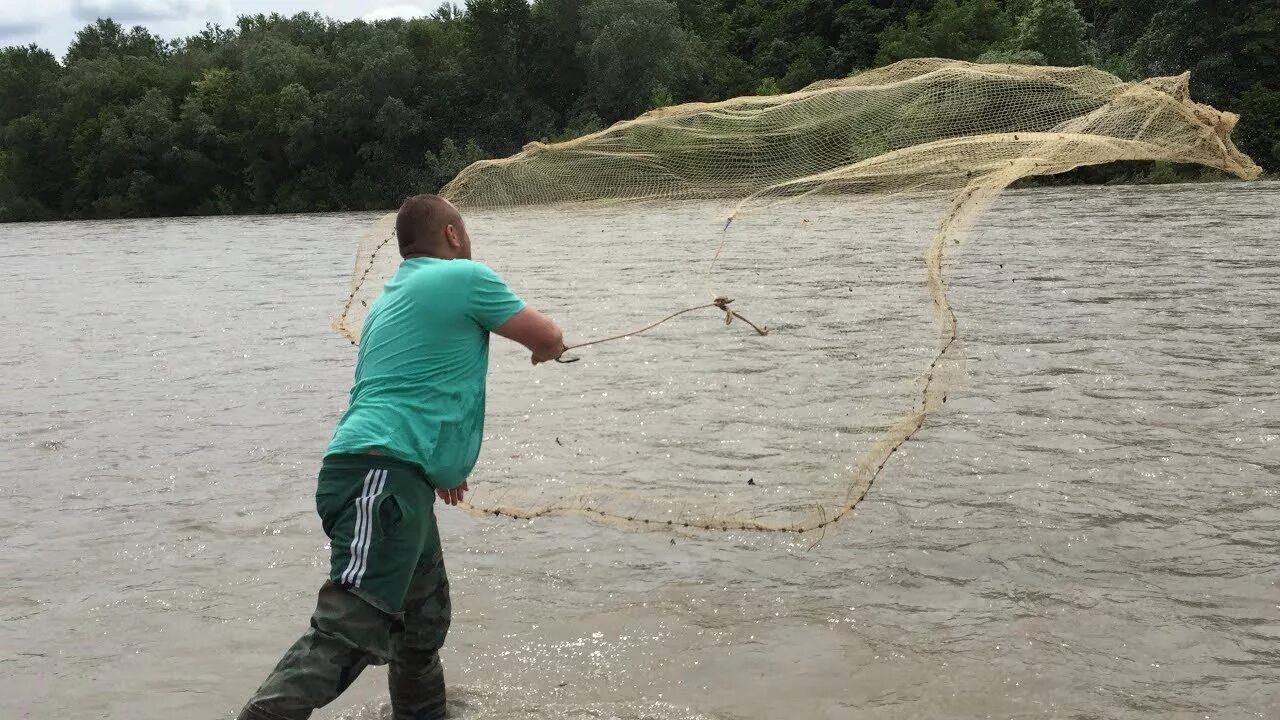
point(23, 20)
point(15, 28)
point(400, 11)
point(133, 10)
point(52, 24)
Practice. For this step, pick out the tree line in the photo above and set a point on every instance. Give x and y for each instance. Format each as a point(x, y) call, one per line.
point(304, 113)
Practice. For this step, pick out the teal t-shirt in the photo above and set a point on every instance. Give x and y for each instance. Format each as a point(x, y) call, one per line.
point(419, 387)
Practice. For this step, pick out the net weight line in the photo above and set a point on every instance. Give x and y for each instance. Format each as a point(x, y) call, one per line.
point(892, 439)
point(873, 462)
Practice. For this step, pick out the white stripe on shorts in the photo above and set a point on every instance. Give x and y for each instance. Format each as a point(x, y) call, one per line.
point(373, 482)
point(369, 509)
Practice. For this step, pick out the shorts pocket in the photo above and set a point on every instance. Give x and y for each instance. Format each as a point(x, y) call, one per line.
point(390, 513)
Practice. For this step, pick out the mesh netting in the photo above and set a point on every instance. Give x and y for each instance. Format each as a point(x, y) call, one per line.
point(942, 137)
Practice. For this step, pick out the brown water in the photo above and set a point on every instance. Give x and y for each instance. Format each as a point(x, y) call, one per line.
point(1089, 530)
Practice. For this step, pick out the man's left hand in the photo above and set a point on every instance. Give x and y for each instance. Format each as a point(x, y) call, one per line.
point(454, 496)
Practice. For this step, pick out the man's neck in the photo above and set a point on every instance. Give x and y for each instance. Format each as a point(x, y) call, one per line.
point(416, 255)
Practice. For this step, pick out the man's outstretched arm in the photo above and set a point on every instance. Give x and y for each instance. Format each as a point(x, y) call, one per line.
point(536, 332)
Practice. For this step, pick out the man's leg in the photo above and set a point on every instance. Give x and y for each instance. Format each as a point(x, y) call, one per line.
point(347, 635)
point(415, 677)
point(377, 517)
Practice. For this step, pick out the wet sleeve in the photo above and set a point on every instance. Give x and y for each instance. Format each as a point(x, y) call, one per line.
point(492, 302)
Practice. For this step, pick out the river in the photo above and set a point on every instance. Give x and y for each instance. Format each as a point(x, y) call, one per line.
point(1088, 529)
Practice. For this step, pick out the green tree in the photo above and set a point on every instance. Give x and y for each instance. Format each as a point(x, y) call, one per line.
point(1055, 30)
point(106, 37)
point(635, 49)
point(1015, 57)
point(859, 24)
point(555, 75)
point(1231, 48)
point(1115, 25)
point(131, 167)
point(306, 113)
point(31, 170)
point(25, 74)
point(768, 86)
point(1259, 131)
point(1228, 45)
point(441, 167)
point(959, 29)
point(810, 61)
point(497, 104)
point(209, 129)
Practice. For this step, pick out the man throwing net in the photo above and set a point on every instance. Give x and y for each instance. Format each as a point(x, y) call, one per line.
point(413, 427)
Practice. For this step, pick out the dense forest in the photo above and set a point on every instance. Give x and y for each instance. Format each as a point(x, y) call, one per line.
point(303, 113)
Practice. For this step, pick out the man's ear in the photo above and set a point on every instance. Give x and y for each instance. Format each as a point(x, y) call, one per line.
point(451, 236)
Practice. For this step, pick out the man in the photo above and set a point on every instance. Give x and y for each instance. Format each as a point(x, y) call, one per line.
point(414, 425)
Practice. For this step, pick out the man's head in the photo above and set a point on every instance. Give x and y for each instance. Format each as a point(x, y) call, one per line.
point(430, 226)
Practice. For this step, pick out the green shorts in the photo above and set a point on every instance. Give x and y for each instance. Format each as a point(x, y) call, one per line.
point(378, 513)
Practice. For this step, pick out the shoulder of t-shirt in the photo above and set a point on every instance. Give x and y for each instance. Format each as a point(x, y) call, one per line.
point(475, 265)
point(477, 270)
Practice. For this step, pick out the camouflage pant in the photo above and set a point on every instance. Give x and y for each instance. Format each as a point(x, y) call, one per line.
point(347, 635)
point(394, 611)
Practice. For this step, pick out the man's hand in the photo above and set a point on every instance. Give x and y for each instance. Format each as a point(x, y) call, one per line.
point(454, 496)
point(536, 332)
point(548, 357)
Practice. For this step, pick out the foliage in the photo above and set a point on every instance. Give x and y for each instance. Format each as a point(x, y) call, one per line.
point(303, 113)
point(1260, 124)
point(957, 29)
point(1056, 30)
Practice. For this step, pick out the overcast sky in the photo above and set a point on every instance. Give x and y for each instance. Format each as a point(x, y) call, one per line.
point(52, 24)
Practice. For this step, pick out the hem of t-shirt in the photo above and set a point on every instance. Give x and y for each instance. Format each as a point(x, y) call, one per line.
point(364, 458)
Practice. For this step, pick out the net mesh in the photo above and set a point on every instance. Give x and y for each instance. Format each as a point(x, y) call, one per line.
point(944, 137)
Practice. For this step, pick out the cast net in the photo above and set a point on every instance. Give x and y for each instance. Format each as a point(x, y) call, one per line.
point(903, 158)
